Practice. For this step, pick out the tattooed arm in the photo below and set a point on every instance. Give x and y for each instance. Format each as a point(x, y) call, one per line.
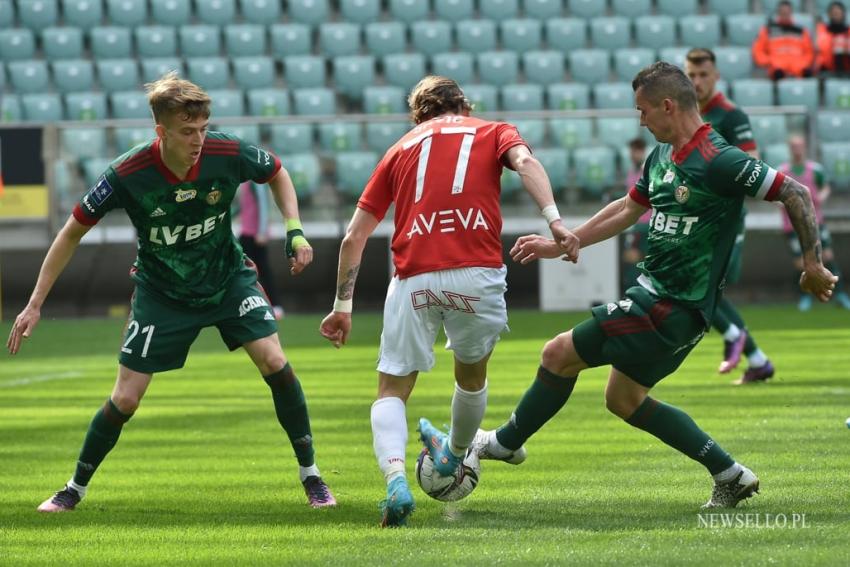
point(816, 279)
point(337, 325)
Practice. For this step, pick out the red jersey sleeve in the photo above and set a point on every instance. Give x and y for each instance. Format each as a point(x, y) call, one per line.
point(378, 195)
point(507, 137)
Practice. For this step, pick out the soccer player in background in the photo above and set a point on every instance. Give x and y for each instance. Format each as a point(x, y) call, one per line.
point(695, 184)
point(733, 124)
point(810, 173)
point(190, 273)
point(443, 177)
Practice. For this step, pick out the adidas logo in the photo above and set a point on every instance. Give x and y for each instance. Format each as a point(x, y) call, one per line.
point(269, 316)
point(158, 213)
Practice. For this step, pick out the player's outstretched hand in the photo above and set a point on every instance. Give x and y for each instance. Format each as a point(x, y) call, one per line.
point(533, 247)
point(336, 327)
point(302, 258)
point(22, 328)
point(818, 281)
point(568, 241)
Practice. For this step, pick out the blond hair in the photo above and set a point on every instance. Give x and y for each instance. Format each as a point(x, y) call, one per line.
point(434, 96)
point(171, 95)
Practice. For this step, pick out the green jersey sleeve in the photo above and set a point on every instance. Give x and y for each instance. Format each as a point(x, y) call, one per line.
point(100, 199)
point(736, 130)
point(640, 192)
point(734, 173)
point(257, 164)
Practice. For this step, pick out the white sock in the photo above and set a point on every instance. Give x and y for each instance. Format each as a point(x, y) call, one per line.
point(81, 490)
point(304, 472)
point(757, 359)
point(389, 435)
point(728, 474)
point(467, 412)
point(732, 333)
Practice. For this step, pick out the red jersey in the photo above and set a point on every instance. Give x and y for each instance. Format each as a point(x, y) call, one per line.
point(443, 177)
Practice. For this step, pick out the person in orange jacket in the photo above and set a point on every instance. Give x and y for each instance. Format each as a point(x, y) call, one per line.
point(833, 41)
point(783, 47)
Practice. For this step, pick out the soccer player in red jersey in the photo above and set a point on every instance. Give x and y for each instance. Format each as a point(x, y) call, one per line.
point(443, 177)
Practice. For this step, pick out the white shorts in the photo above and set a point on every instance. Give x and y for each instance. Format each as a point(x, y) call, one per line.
point(469, 303)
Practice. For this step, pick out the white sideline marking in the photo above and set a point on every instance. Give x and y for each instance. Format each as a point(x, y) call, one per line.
point(40, 378)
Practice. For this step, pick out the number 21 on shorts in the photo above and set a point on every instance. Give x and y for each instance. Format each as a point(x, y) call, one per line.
point(133, 330)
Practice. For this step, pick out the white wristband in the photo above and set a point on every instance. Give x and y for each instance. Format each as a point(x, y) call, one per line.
point(343, 305)
point(551, 214)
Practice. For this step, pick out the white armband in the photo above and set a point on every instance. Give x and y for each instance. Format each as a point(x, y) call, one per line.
point(343, 305)
point(551, 214)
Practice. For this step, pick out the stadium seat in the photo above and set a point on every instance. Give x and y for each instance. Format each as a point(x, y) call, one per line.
point(318, 101)
point(792, 91)
point(353, 170)
point(776, 154)
point(28, 76)
point(521, 35)
point(703, 30)
point(832, 126)
point(260, 11)
point(226, 102)
point(475, 36)
point(677, 8)
point(498, 67)
point(10, 108)
point(595, 168)
point(340, 136)
point(457, 65)
point(510, 183)
point(200, 41)
point(216, 12)
point(403, 69)
point(156, 41)
point(339, 38)
point(130, 104)
point(385, 100)
point(453, 10)
point(85, 106)
point(769, 129)
point(587, 8)
point(304, 71)
point(381, 135)
point(822, 5)
point(498, 9)
point(311, 12)
point(290, 39)
point(118, 74)
point(615, 132)
point(627, 62)
point(253, 72)
point(836, 160)
point(242, 40)
point(171, 12)
point(571, 132)
point(109, 42)
point(126, 12)
point(82, 13)
point(565, 34)
point(590, 65)
point(568, 96)
point(610, 32)
point(65, 196)
point(248, 132)
point(728, 7)
point(38, 14)
point(431, 37)
point(71, 75)
point(84, 142)
point(674, 55)
point(7, 14)
point(543, 67)
point(93, 168)
point(62, 43)
point(742, 29)
point(292, 138)
point(353, 73)
point(613, 95)
point(543, 9)
point(753, 92)
point(306, 173)
point(360, 11)
point(483, 97)
point(837, 93)
point(154, 68)
point(556, 163)
point(209, 72)
point(384, 38)
point(268, 102)
point(522, 97)
point(655, 32)
point(631, 8)
point(532, 131)
point(734, 62)
point(805, 20)
point(42, 107)
point(409, 11)
point(16, 43)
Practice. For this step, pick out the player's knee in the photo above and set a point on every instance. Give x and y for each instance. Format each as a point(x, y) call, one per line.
point(555, 355)
point(126, 402)
point(271, 363)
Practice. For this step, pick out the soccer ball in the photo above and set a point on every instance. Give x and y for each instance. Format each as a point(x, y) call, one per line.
point(448, 488)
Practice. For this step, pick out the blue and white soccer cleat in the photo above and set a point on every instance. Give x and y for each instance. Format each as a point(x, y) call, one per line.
point(398, 505)
point(437, 443)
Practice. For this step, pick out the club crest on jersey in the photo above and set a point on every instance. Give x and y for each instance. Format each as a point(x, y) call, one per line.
point(213, 197)
point(669, 176)
point(682, 194)
point(183, 195)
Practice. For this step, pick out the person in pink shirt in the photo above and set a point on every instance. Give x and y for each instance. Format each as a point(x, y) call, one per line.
point(253, 208)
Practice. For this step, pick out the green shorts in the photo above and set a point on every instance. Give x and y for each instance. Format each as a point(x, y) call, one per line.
point(160, 332)
point(643, 336)
point(794, 242)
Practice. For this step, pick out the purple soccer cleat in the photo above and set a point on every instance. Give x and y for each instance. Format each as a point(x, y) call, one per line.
point(318, 492)
point(760, 374)
point(63, 501)
point(732, 353)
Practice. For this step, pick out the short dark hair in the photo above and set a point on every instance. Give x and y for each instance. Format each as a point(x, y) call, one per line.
point(637, 144)
point(664, 80)
point(699, 55)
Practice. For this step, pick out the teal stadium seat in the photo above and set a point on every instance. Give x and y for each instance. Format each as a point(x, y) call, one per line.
point(353, 73)
point(702, 30)
point(543, 67)
point(93, 168)
point(822, 5)
point(292, 138)
point(304, 71)
point(728, 6)
point(64, 195)
point(568, 96)
point(483, 97)
point(753, 92)
point(674, 55)
point(805, 20)
point(130, 105)
point(201, 40)
point(71, 75)
point(457, 65)
point(155, 41)
point(522, 97)
point(521, 35)
point(290, 39)
point(571, 133)
point(118, 74)
point(566, 34)
point(216, 12)
point(498, 67)
point(306, 173)
point(431, 37)
point(409, 11)
point(833, 126)
point(314, 102)
point(532, 131)
point(791, 91)
point(836, 93)
point(628, 61)
point(769, 128)
point(631, 8)
point(384, 38)
point(268, 102)
point(836, 159)
point(655, 32)
point(498, 9)
point(776, 154)
point(742, 29)
point(253, 72)
point(610, 32)
point(615, 132)
point(340, 136)
point(226, 102)
point(28, 76)
point(353, 170)
point(41, 107)
point(17, 44)
point(85, 106)
point(82, 13)
point(595, 168)
point(510, 184)
point(381, 135)
point(613, 95)
point(543, 9)
point(62, 43)
point(247, 132)
point(590, 65)
point(171, 12)
point(209, 72)
point(403, 69)
point(84, 142)
point(556, 163)
point(109, 42)
point(385, 100)
point(154, 68)
point(453, 10)
point(38, 14)
point(339, 38)
point(587, 8)
point(10, 108)
point(360, 11)
point(260, 11)
point(310, 12)
point(7, 14)
point(475, 36)
point(242, 40)
point(734, 62)
point(677, 8)
point(126, 12)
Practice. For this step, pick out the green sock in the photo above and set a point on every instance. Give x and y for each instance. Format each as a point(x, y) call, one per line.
point(546, 396)
point(720, 322)
point(676, 428)
point(101, 437)
point(291, 409)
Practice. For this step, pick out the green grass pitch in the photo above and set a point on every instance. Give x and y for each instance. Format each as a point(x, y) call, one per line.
point(203, 474)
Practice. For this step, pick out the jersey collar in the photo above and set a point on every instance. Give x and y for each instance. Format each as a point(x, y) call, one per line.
point(700, 135)
point(192, 175)
point(713, 102)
